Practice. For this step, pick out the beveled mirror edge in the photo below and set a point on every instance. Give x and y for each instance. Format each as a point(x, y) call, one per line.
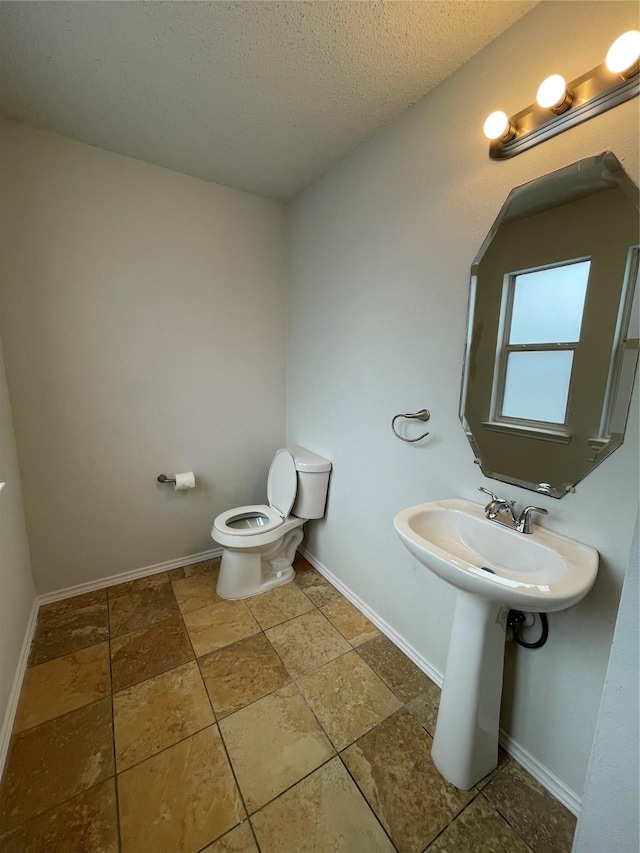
point(612, 174)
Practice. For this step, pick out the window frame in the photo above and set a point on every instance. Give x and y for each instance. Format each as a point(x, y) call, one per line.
point(498, 420)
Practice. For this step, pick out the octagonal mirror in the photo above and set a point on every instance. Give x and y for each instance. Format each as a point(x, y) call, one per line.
point(552, 332)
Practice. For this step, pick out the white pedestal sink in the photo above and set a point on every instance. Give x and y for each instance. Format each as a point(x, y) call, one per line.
point(494, 569)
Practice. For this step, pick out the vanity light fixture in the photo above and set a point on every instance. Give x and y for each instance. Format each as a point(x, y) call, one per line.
point(560, 106)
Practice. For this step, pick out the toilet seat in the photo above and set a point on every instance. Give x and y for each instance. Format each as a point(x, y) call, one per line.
point(281, 493)
point(226, 521)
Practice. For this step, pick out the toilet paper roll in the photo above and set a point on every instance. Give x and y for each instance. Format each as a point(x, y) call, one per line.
point(186, 480)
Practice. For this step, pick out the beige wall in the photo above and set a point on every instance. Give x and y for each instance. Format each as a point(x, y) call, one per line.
point(17, 591)
point(380, 251)
point(143, 319)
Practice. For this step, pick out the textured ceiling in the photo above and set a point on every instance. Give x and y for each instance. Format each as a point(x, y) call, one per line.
point(260, 96)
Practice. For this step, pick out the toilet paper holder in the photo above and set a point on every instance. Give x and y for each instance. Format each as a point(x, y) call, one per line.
point(162, 478)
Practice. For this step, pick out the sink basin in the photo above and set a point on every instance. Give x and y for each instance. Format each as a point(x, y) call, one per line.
point(494, 569)
point(541, 571)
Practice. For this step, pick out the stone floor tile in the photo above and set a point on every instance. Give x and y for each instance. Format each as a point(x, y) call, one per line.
point(425, 705)
point(324, 812)
point(307, 642)
point(315, 586)
point(279, 605)
point(62, 685)
point(348, 698)
point(55, 761)
point(159, 712)
point(538, 818)
point(219, 625)
point(503, 760)
point(241, 673)
point(322, 593)
point(196, 590)
point(64, 629)
point(181, 799)
point(478, 829)
point(238, 840)
point(148, 652)
point(76, 602)
point(393, 768)
point(204, 567)
point(87, 823)
point(141, 608)
point(396, 670)
point(272, 744)
point(302, 566)
point(353, 625)
point(148, 582)
point(307, 576)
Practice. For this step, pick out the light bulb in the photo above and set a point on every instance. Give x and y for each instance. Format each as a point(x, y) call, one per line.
point(552, 94)
point(498, 126)
point(624, 53)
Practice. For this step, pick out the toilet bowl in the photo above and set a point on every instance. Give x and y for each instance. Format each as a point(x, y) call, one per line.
point(260, 541)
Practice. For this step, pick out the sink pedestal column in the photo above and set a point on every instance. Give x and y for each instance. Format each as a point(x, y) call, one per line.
point(465, 746)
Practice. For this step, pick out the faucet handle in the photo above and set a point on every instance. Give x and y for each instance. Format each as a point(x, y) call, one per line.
point(488, 492)
point(524, 524)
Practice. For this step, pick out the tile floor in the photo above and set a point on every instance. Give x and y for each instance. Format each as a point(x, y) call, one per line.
point(156, 716)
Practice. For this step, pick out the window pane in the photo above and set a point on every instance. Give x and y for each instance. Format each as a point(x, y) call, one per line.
point(548, 304)
point(537, 385)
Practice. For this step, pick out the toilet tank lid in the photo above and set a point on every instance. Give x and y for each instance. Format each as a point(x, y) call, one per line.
point(307, 461)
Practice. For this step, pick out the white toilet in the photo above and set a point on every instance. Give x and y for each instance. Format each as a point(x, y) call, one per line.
point(259, 542)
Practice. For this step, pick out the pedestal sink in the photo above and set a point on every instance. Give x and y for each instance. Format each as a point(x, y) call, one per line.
point(494, 569)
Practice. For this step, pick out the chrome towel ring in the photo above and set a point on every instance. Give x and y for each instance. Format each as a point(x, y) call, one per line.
point(422, 415)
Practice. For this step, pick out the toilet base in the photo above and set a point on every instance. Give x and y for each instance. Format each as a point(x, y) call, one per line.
point(245, 573)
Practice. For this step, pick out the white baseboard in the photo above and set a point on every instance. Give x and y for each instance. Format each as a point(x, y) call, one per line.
point(16, 687)
point(134, 574)
point(14, 695)
point(539, 771)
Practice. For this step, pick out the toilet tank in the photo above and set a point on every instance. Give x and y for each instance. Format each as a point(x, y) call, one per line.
point(313, 480)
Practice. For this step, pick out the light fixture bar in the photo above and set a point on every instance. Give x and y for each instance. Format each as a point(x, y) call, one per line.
point(595, 92)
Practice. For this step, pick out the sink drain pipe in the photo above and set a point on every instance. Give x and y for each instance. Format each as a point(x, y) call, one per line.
point(515, 621)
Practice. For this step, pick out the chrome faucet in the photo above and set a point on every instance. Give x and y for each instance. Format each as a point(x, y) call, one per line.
point(497, 505)
point(521, 523)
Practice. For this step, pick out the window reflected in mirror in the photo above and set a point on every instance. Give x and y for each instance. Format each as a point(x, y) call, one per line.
point(542, 316)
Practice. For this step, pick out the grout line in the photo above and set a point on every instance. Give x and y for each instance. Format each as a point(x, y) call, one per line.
point(500, 815)
point(235, 778)
point(362, 794)
point(293, 784)
point(166, 748)
point(14, 733)
point(113, 732)
point(57, 805)
point(222, 740)
point(50, 809)
point(227, 833)
point(498, 811)
point(293, 682)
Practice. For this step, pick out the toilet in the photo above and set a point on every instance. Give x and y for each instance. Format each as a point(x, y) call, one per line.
point(260, 542)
